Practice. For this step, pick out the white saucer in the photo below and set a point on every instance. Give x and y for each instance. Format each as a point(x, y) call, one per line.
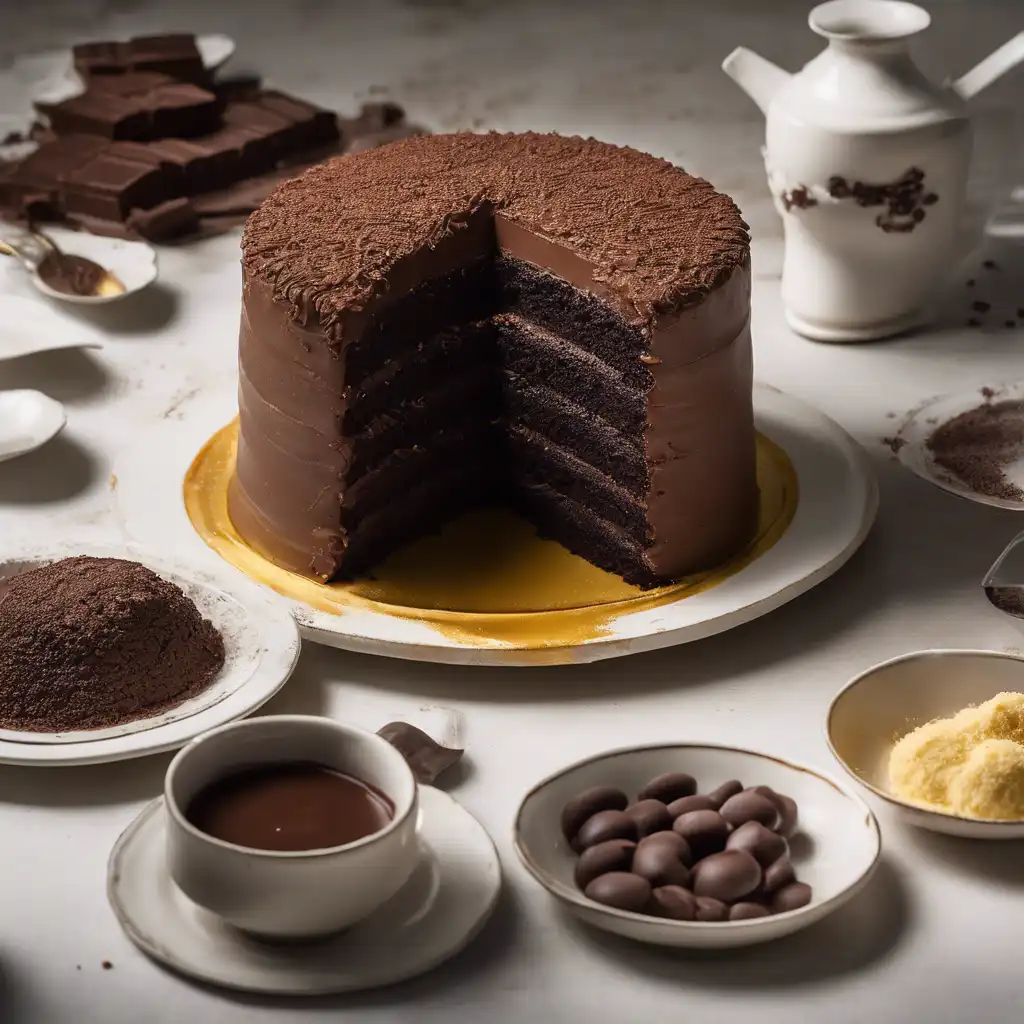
point(436, 915)
point(28, 419)
point(261, 648)
point(31, 326)
point(837, 505)
point(921, 423)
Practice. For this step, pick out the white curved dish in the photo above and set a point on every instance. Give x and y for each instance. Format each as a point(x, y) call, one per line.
point(838, 502)
point(28, 326)
point(912, 440)
point(838, 861)
point(438, 913)
point(884, 703)
point(261, 648)
point(51, 76)
point(28, 420)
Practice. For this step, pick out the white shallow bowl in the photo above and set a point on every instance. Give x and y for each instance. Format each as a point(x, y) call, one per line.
point(261, 644)
point(836, 849)
point(28, 419)
point(883, 704)
point(28, 326)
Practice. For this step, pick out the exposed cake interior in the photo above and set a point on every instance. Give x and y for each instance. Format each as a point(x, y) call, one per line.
point(495, 368)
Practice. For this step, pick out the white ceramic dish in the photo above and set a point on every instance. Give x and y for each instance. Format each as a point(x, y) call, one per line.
point(921, 423)
point(838, 501)
point(261, 648)
point(837, 862)
point(28, 419)
point(883, 704)
point(51, 76)
point(438, 913)
point(28, 326)
point(134, 264)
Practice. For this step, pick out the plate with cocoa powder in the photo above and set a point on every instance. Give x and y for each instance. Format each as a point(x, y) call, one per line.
point(970, 444)
point(108, 654)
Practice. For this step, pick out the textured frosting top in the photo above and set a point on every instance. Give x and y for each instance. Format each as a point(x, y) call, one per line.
point(653, 234)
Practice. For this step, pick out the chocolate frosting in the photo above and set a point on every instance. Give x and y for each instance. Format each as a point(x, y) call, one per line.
point(332, 248)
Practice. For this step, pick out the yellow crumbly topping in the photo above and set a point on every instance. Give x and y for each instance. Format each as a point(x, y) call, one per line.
point(971, 764)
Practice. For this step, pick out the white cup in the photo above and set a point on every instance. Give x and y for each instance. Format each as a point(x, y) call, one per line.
point(291, 895)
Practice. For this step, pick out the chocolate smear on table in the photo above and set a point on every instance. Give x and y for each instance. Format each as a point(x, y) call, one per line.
point(978, 445)
point(87, 643)
point(71, 275)
point(427, 758)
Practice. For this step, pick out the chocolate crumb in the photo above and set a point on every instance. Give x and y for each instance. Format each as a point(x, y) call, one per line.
point(981, 307)
point(425, 757)
point(974, 322)
point(87, 643)
point(1010, 323)
point(107, 965)
point(987, 393)
point(978, 445)
point(971, 282)
point(894, 444)
point(990, 265)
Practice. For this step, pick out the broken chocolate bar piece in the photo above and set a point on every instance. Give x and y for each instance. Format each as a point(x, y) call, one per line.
point(138, 106)
point(110, 186)
point(31, 188)
point(426, 758)
point(176, 55)
point(171, 219)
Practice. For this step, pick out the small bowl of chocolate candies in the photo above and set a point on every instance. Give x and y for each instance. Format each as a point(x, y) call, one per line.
point(699, 846)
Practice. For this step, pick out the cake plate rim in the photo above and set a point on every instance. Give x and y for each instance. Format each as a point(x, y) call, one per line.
point(832, 520)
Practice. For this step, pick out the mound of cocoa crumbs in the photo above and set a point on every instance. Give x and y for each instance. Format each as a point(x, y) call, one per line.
point(978, 445)
point(87, 643)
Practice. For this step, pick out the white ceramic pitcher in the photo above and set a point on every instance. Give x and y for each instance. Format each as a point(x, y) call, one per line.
point(867, 163)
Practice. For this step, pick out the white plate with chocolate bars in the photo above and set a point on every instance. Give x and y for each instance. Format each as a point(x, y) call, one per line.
point(834, 510)
point(51, 77)
point(104, 662)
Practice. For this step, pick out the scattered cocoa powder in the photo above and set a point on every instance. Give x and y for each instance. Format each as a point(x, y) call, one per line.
point(87, 643)
point(894, 444)
point(978, 445)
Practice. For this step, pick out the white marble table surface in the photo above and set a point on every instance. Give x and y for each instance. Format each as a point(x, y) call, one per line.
point(937, 935)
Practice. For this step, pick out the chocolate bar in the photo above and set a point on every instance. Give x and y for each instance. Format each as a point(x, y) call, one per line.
point(175, 55)
point(138, 106)
point(110, 186)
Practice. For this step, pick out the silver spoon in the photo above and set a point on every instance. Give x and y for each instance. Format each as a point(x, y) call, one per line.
point(57, 274)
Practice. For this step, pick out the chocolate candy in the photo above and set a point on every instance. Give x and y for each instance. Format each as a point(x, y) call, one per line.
point(661, 859)
point(426, 757)
point(791, 897)
point(777, 875)
point(727, 789)
point(586, 804)
point(674, 902)
point(650, 816)
point(668, 787)
point(686, 804)
point(603, 826)
point(703, 864)
point(614, 855)
point(710, 909)
point(620, 889)
point(750, 806)
point(787, 810)
point(762, 843)
point(726, 876)
point(747, 911)
point(705, 831)
point(173, 54)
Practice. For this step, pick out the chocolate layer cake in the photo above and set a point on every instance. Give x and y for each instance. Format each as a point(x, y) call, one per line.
point(555, 324)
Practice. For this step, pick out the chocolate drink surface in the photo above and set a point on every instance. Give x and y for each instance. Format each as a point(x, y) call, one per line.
point(290, 807)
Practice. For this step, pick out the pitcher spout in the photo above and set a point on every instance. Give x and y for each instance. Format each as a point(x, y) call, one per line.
point(760, 79)
point(992, 68)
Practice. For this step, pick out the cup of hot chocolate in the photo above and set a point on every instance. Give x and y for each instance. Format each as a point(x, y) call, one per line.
point(290, 827)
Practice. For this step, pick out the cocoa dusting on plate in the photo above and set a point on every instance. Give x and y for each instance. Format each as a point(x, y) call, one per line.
point(87, 643)
point(1007, 599)
point(978, 445)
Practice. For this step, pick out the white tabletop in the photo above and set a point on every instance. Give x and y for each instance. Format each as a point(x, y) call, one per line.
point(937, 934)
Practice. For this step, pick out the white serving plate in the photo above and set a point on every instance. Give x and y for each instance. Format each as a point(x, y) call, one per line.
point(28, 419)
point(29, 326)
point(920, 424)
point(840, 850)
point(883, 704)
point(261, 648)
point(838, 502)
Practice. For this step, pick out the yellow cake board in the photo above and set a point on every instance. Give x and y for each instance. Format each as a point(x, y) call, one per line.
point(487, 579)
